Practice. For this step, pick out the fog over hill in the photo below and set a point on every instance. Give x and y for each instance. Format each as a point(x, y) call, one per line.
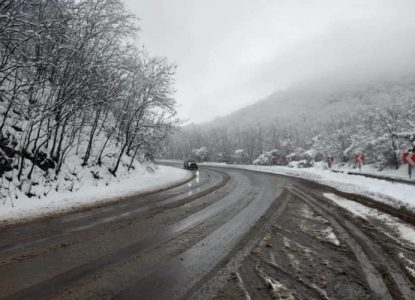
point(343, 88)
point(322, 117)
point(317, 100)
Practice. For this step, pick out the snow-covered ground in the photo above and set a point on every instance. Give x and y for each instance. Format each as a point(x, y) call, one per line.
point(404, 231)
point(142, 180)
point(395, 194)
point(402, 172)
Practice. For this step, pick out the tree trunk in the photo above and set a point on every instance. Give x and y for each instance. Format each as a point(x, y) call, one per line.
point(91, 139)
point(34, 161)
point(395, 158)
point(55, 139)
point(79, 141)
point(132, 158)
point(114, 171)
point(23, 151)
point(102, 150)
point(59, 149)
point(5, 116)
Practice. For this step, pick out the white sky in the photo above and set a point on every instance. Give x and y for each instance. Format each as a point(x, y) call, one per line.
point(231, 53)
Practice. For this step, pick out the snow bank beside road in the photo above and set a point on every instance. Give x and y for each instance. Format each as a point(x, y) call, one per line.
point(404, 231)
point(395, 194)
point(140, 182)
point(401, 173)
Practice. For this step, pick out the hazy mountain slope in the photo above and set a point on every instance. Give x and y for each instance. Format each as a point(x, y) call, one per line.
point(319, 101)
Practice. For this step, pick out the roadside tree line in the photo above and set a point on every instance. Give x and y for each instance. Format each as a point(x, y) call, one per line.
point(382, 134)
point(73, 82)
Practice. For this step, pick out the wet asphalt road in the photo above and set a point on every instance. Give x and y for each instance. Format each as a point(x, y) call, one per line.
point(180, 243)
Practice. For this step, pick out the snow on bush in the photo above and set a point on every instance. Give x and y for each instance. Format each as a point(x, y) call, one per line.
point(199, 154)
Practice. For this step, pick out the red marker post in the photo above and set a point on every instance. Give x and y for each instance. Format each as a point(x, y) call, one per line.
point(330, 160)
point(309, 160)
point(359, 158)
point(409, 159)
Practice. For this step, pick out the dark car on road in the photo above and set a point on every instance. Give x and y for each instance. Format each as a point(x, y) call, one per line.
point(190, 165)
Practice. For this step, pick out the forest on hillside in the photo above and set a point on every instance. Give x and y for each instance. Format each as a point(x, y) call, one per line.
point(79, 100)
point(382, 129)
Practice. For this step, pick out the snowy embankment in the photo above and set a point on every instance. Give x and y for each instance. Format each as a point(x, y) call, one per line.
point(392, 174)
point(395, 194)
point(403, 230)
point(143, 180)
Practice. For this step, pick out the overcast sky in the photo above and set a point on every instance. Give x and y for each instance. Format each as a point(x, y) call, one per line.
point(231, 53)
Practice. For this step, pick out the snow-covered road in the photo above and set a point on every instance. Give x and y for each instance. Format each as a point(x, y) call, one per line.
point(281, 235)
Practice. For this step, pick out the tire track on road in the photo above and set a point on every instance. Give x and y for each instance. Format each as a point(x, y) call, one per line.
point(173, 280)
point(382, 275)
point(103, 216)
point(54, 284)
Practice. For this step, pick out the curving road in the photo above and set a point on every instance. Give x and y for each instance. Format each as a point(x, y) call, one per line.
point(226, 234)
